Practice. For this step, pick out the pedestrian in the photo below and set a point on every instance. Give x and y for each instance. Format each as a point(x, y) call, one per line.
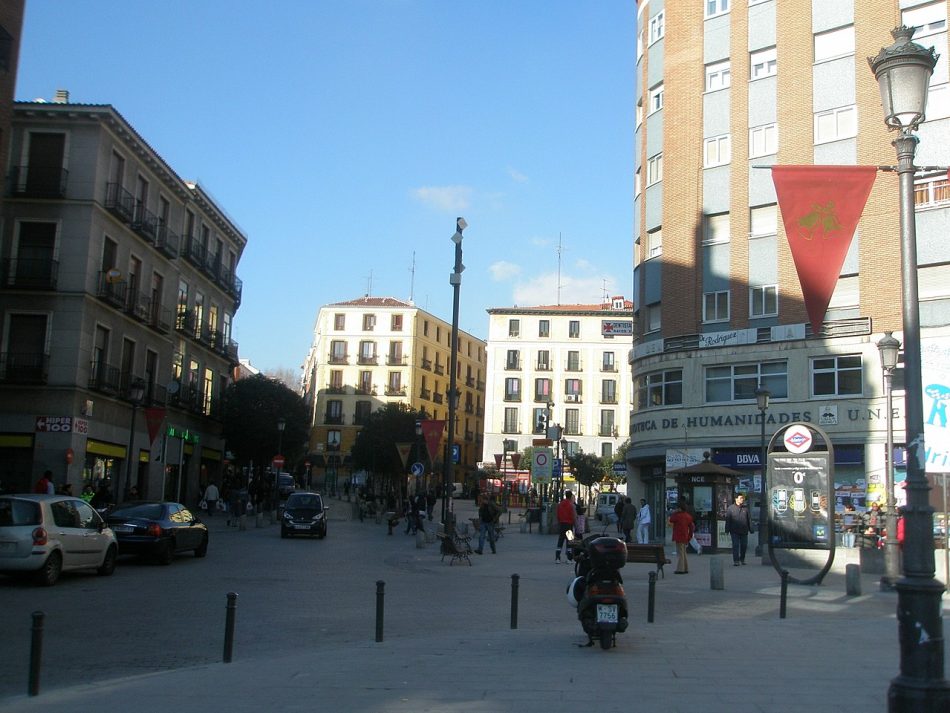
point(66, 489)
point(738, 525)
point(419, 510)
point(102, 498)
point(87, 492)
point(682, 523)
point(643, 523)
point(566, 519)
point(849, 522)
point(873, 524)
point(431, 500)
point(628, 518)
point(618, 512)
point(234, 504)
point(487, 514)
point(44, 485)
point(134, 493)
point(211, 497)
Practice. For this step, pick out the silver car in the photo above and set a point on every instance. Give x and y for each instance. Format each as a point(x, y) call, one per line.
point(45, 535)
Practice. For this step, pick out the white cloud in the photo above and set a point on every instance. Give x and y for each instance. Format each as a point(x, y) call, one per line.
point(542, 290)
point(451, 199)
point(504, 270)
point(516, 175)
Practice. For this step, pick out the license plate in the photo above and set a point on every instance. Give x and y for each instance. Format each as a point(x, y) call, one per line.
point(606, 613)
point(122, 528)
point(301, 527)
point(7, 546)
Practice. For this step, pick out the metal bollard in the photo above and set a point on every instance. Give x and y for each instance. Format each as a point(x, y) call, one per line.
point(781, 610)
point(230, 610)
point(852, 580)
point(36, 653)
point(716, 577)
point(514, 601)
point(651, 600)
point(380, 594)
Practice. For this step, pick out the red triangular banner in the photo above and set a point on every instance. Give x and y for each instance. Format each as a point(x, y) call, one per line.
point(515, 460)
point(432, 432)
point(154, 416)
point(404, 450)
point(498, 457)
point(821, 206)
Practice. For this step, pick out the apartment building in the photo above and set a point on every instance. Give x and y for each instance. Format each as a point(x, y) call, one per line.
point(118, 289)
point(372, 351)
point(558, 365)
point(728, 88)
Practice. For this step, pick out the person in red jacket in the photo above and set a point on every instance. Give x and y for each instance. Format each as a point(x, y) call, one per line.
point(682, 523)
point(566, 517)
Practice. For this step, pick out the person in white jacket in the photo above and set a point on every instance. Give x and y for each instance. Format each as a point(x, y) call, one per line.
point(643, 523)
point(211, 497)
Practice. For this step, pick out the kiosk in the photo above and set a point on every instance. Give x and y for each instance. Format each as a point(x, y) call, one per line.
point(707, 489)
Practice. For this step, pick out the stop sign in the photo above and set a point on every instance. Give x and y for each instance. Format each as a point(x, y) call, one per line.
point(278, 462)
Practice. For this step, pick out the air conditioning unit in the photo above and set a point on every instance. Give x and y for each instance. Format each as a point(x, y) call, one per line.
point(573, 398)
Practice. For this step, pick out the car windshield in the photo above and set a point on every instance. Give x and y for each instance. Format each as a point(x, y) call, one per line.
point(286, 480)
point(147, 511)
point(303, 501)
point(14, 512)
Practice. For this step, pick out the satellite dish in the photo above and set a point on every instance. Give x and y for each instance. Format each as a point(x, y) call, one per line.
point(113, 276)
point(172, 387)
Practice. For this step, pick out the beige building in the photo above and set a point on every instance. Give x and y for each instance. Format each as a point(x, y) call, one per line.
point(372, 351)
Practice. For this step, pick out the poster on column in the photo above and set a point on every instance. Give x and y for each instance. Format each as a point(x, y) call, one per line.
point(935, 378)
point(798, 485)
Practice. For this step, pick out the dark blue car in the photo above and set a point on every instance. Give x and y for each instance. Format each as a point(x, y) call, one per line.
point(158, 530)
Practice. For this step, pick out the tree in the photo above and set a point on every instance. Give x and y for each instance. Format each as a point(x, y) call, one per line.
point(375, 446)
point(252, 408)
point(287, 376)
point(588, 468)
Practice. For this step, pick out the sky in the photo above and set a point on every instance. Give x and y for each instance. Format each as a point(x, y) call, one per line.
point(344, 137)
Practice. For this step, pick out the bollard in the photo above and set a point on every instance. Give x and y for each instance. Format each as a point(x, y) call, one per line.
point(36, 653)
point(230, 611)
point(852, 580)
point(651, 600)
point(420, 539)
point(781, 610)
point(514, 601)
point(380, 594)
point(716, 575)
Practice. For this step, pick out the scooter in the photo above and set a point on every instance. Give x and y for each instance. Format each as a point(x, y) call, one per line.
point(597, 590)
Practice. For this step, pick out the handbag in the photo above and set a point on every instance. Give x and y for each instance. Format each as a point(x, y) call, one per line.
point(203, 504)
point(694, 543)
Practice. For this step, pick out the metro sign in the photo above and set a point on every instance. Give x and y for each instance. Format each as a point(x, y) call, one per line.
point(797, 439)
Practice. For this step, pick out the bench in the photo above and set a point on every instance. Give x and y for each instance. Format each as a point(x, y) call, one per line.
point(648, 554)
point(459, 548)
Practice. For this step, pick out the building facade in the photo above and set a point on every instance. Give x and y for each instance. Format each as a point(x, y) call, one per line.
point(117, 294)
point(728, 88)
point(558, 365)
point(372, 351)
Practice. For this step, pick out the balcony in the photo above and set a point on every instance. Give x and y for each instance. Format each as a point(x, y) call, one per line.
point(139, 305)
point(185, 321)
point(338, 359)
point(367, 359)
point(469, 408)
point(23, 367)
point(609, 367)
point(513, 365)
point(573, 366)
point(542, 366)
point(160, 318)
point(366, 390)
point(339, 389)
point(439, 369)
point(437, 397)
point(103, 377)
point(145, 223)
point(113, 292)
point(470, 382)
point(608, 399)
point(395, 391)
point(395, 360)
point(427, 364)
point(333, 419)
point(510, 428)
point(231, 350)
point(469, 435)
point(195, 252)
point(607, 432)
point(512, 397)
point(167, 241)
point(39, 181)
point(425, 394)
point(120, 202)
point(30, 274)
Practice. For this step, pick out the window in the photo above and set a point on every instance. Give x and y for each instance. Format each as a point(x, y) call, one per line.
point(926, 19)
point(572, 387)
point(607, 423)
point(544, 360)
point(363, 410)
point(395, 382)
point(716, 229)
point(608, 362)
point(336, 381)
point(334, 411)
point(512, 389)
point(395, 354)
point(763, 63)
point(369, 322)
point(654, 317)
point(716, 7)
point(654, 169)
point(339, 322)
point(717, 151)
point(663, 388)
point(542, 390)
point(763, 301)
point(637, 184)
point(367, 353)
point(716, 306)
point(738, 382)
point(657, 26)
point(840, 123)
point(655, 243)
point(570, 448)
point(606, 450)
point(511, 421)
point(365, 382)
point(837, 376)
point(574, 329)
point(539, 418)
point(656, 98)
point(514, 327)
point(572, 422)
point(608, 391)
point(333, 440)
point(395, 322)
point(834, 43)
point(639, 112)
point(932, 190)
point(763, 220)
point(544, 328)
point(938, 102)
point(337, 352)
point(513, 359)
point(573, 361)
point(763, 140)
point(718, 76)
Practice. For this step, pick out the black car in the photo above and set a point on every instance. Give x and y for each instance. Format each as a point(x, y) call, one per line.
point(304, 514)
point(158, 529)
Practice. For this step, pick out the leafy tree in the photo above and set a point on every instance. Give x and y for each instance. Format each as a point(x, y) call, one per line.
point(588, 468)
point(252, 407)
point(375, 446)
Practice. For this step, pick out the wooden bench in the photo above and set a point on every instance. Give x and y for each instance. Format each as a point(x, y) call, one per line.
point(459, 548)
point(648, 554)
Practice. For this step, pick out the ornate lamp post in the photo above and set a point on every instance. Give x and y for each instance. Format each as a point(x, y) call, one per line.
point(762, 397)
point(455, 279)
point(889, 347)
point(903, 73)
point(136, 394)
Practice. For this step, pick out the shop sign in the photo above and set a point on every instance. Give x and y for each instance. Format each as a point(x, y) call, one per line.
point(61, 424)
point(616, 328)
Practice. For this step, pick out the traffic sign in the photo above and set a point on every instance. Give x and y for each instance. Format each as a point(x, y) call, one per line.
point(278, 461)
point(619, 467)
point(541, 462)
point(456, 453)
point(417, 469)
point(557, 467)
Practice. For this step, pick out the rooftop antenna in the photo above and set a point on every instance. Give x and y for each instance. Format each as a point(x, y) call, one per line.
point(606, 297)
point(369, 284)
point(559, 251)
point(412, 276)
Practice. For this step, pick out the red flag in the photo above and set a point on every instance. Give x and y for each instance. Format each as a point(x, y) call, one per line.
point(821, 206)
point(515, 460)
point(432, 432)
point(498, 457)
point(154, 416)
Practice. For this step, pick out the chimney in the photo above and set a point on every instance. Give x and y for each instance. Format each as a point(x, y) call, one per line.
point(62, 96)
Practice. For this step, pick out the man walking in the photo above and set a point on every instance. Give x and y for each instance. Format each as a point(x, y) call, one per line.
point(643, 523)
point(566, 518)
point(738, 525)
point(487, 514)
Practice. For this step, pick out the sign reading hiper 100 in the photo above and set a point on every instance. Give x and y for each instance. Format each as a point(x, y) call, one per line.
point(61, 424)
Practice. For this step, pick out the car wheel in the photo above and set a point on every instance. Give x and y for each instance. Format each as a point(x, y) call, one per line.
point(322, 533)
point(50, 571)
point(202, 549)
point(166, 553)
point(108, 564)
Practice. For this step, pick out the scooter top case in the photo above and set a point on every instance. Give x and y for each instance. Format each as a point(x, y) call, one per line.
point(607, 553)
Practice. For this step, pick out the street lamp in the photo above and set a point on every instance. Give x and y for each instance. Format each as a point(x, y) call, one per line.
point(455, 279)
point(136, 394)
point(762, 397)
point(888, 347)
point(281, 425)
point(903, 73)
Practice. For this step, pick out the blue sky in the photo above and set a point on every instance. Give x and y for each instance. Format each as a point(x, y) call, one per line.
point(345, 136)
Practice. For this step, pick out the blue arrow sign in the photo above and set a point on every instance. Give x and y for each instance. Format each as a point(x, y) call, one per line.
point(417, 469)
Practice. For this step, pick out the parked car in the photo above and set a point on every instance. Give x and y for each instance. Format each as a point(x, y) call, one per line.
point(158, 529)
point(46, 535)
point(606, 502)
point(285, 485)
point(304, 514)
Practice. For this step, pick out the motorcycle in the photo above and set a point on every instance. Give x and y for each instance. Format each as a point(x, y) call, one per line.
point(597, 590)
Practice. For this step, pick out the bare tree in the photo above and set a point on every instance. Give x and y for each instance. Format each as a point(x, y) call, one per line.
point(287, 376)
